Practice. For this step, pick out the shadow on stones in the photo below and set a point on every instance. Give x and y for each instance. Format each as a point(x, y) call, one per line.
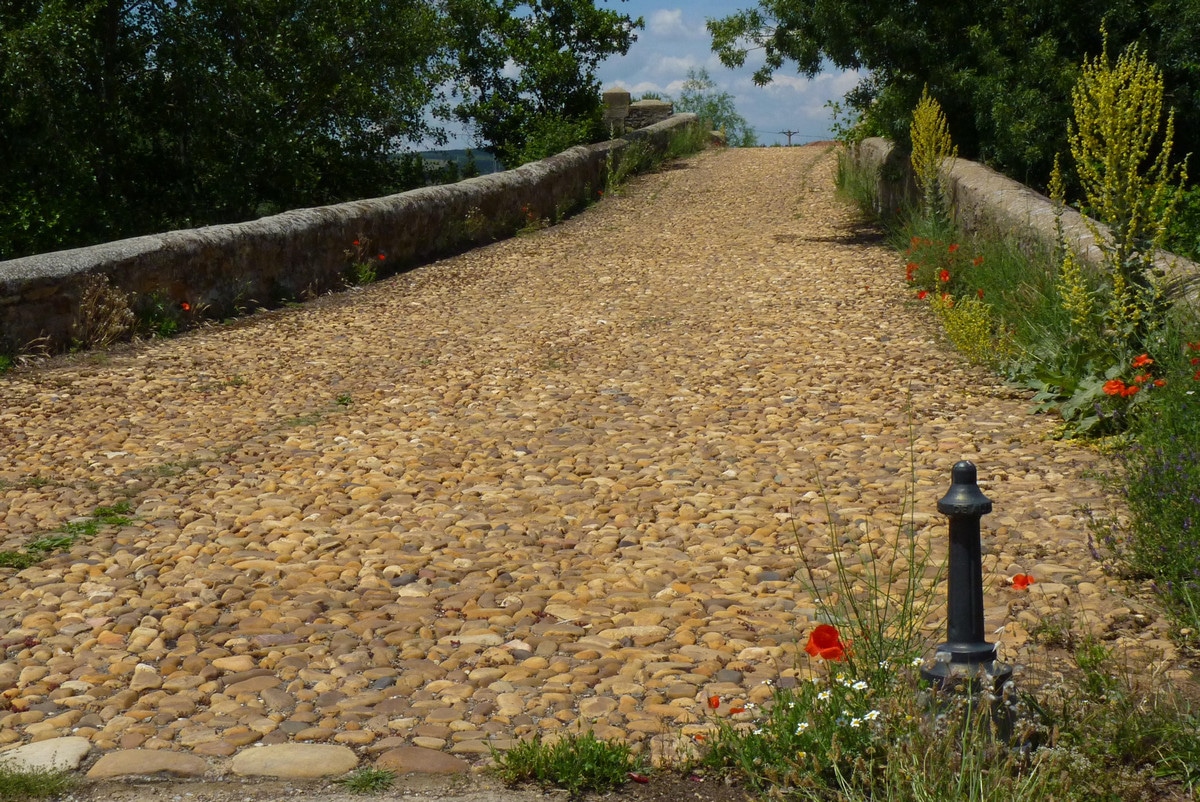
point(864, 233)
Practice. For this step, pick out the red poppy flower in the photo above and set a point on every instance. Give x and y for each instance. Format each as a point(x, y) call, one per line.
point(1196, 360)
point(921, 295)
point(185, 306)
point(382, 257)
point(1022, 581)
point(356, 243)
point(826, 643)
point(1142, 378)
point(1160, 382)
point(977, 261)
point(944, 275)
point(980, 294)
point(1196, 378)
point(1114, 387)
point(910, 270)
point(1142, 361)
point(733, 711)
point(714, 702)
point(954, 247)
point(1130, 390)
point(1194, 346)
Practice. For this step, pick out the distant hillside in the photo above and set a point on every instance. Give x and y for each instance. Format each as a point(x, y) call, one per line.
point(485, 162)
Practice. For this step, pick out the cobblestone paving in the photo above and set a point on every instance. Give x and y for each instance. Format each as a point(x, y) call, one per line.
point(566, 480)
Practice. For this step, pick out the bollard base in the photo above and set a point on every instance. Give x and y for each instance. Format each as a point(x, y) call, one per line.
point(987, 683)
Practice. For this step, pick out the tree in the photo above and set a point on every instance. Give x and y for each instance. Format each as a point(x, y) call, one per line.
point(698, 96)
point(526, 71)
point(1002, 69)
point(123, 117)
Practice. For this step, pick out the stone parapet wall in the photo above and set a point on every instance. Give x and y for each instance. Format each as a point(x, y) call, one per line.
point(983, 200)
point(645, 113)
point(301, 253)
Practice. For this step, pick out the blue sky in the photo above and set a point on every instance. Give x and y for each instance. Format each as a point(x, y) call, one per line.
point(675, 40)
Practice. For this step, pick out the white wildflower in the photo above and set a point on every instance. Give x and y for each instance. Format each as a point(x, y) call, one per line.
point(823, 696)
point(859, 686)
point(801, 727)
point(871, 715)
point(856, 722)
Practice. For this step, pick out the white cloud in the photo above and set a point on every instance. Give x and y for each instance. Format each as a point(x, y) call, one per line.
point(669, 23)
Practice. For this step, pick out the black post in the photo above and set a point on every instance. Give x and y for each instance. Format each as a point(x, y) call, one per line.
point(966, 653)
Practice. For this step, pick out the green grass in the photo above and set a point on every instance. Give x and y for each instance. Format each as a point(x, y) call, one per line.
point(17, 785)
point(65, 536)
point(368, 781)
point(576, 763)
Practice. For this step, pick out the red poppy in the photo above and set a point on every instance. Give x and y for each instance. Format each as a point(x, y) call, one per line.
point(185, 306)
point(1196, 378)
point(1114, 387)
point(910, 270)
point(1142, 361)
point(954, 247)
point(1194, 346)
point(1196, 360)
point(1130, 390)
point(382, 257)
point(356, 243)
point(977, 261)
point(826, 643)
point(733, 711)
point(1022, 581)
point(921, 295)
point(714, 702)
point(980, 294)
point(1160, 382)
point(944, 275)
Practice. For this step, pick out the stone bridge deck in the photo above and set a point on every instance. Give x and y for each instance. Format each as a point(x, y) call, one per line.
point(561, 481)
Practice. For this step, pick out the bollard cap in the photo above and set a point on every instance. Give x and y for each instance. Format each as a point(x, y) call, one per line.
point(964, 496)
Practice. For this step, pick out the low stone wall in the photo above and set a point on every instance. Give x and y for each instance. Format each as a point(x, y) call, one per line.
point(301, 253)
point(983, 200)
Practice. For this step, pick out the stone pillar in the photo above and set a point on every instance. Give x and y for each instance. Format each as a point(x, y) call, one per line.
point(616, 109)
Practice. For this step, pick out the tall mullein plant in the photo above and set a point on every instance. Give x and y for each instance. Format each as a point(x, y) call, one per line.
point(1128, 187)
point(932, 148)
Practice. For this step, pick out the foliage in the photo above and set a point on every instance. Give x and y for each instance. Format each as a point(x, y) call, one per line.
point(526, 70)
point(20, 785)
point(368, 781)
point(1003, 68)
point(699, 96)
point(65, 536)
point(931, 150)
point(164, 115)
point(1161, 479)
point(576, 763)
point(1116, 313)
point(865, 728)
point(1117, 110)
point(364, 263)
point(104, 315)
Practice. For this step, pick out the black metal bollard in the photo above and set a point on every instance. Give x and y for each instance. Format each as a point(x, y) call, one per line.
point(966, 661)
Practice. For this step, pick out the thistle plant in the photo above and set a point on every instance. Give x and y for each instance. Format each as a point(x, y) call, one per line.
point(931, 149)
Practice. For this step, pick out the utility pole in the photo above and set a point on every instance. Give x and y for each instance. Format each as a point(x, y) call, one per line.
point(789, 135)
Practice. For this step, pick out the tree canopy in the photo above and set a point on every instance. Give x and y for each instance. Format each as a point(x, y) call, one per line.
point(526, 71)
point(1002, 69)
point(699, 96)
point(125, 117)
